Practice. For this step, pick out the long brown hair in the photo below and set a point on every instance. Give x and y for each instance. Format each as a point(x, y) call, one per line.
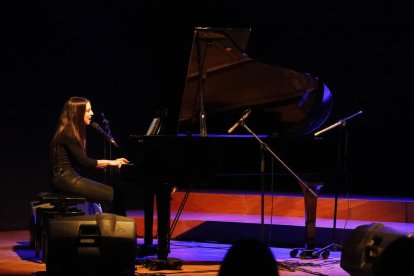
point(71, 123)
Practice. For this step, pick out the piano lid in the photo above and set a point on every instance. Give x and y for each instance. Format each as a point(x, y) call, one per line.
point(228, 81)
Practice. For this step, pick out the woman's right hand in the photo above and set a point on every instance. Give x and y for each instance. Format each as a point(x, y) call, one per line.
point(119, 162)
point(112, 163)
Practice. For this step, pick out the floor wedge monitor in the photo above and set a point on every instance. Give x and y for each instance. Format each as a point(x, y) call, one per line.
point(363, 250)
point(102, 244)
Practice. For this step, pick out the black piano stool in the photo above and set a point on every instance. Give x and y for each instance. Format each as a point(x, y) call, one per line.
point(51, 205)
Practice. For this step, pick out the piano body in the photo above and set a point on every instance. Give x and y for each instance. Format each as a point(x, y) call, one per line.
point(222, 82)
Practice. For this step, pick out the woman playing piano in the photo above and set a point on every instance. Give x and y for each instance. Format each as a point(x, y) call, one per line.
point(68, 156)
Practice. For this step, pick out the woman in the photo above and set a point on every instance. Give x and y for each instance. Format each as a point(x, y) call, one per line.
point(68, 155)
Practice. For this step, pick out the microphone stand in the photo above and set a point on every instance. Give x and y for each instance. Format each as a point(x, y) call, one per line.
point(264, 147)
point(107, 150)
point(341, 165)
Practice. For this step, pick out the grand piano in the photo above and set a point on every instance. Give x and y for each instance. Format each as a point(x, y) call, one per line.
point(286, 107)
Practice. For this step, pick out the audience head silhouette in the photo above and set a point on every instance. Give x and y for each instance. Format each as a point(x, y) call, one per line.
point(249, 257)
point(397, 258)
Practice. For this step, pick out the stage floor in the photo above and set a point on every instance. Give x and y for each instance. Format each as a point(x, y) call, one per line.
point(204, 231)
point(198, 258)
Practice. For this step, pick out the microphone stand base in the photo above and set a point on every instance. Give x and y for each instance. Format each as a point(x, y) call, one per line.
point(314, 253)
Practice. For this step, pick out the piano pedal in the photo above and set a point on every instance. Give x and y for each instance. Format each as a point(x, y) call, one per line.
point(159, 264)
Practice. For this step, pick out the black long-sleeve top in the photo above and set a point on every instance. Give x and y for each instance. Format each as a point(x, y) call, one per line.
point(70, 156)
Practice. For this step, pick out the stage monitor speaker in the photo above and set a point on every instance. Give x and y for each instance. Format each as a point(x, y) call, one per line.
point(362, 250)
point(102, 244)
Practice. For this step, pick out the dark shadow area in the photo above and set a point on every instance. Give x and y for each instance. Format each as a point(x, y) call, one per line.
point(130, 58)
point(284, 236)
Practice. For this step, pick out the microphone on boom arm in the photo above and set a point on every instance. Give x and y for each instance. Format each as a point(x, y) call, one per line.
point(96, 126)
point(239, 122)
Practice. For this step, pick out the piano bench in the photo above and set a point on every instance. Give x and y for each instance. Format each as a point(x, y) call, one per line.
point(51, 205)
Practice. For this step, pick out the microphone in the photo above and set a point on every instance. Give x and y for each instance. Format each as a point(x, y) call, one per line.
point(103, 132)
point(239, 122)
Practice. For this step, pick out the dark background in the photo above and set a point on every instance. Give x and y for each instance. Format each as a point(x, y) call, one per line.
point(130, 58)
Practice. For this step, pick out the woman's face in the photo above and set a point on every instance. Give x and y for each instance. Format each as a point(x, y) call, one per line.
point(88, 114)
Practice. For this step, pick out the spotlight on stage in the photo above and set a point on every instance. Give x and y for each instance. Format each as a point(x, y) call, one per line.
point(369, 248)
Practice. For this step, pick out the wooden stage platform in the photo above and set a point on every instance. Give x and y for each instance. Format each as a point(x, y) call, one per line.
point(210, 221)
point(228, 216)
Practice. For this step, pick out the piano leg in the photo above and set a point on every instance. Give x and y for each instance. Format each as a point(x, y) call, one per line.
point(163, 225)
point(149, 195)
point(309, 251)
point(162, 196)
point(310, 218)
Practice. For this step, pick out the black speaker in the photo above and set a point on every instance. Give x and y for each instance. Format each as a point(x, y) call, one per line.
point(102, 244)
point(362, 250)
